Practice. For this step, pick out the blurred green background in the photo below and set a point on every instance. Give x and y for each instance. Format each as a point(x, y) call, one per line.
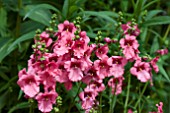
point(19, 19)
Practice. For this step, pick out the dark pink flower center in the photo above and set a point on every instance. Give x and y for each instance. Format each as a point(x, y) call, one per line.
point(75, 65)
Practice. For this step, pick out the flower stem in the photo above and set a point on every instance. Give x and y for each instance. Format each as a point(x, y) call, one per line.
point(112, 103)
point(140, 96)
point(100, 110)
point(127, 96)
point(74, 99)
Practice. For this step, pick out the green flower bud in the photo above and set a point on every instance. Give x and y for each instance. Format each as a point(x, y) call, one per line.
point(96, 38)
point(56, 109)
point(42, 58)
point(33, 46)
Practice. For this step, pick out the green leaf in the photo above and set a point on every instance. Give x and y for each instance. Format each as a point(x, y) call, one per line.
point(20, 94)
point(40, 6)
point(19, 106)
point(72, 9)
point(152, 13)
point(103, 14)
point(162, 70)
point(24, 37)
point(149, 4)
point(4, 76)
point(155, 45)
point(65, 8)
point(157, 21)
point(3, 99)
point(3, 20)
point(4, 48)
point(40, 13)
point(30, 26)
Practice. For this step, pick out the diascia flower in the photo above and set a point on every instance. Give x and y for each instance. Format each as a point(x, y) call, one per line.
point(102, 51)
point(87, 99)
point(29, 83)
point(130, 45)
point(46, 100)
point(102, 67)
point(153, 63)
point(129, 29)
point(75, 68)
point(116, 85)
point(142, 71)
point(117, 64)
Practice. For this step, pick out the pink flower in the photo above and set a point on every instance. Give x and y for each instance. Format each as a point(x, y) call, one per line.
point(46, 100)
point(87, 99)
point(102, 67)
point(67, 26)
point(45, 38)
point(117, 64)
point(159, 107)
point(128, 29)
point(29, 83)
point(75, 68)
point(102, 51)
point(116, 85)
point(130, 47)
point(87, 55)
point(129, 41)
point(79, 48)
point(40, 66)
point(162, 51)
point(47, 80)
point(96, 87)
point(90, 75)
point(153, 63)
point(83, 36)
point(130, 111)
point(108, 40)
point(142, 70)
point(63, 46)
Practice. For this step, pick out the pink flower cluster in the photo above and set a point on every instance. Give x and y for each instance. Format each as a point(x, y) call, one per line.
point(67, 59)
point(129, 44)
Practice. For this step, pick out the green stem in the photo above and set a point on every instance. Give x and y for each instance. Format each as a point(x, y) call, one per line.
point(113, 103)
point(74, 99)
point(127, 96)
point(133, 4)
point(140, 96)
point(166, 33)
point(112, 99)
point(18, 22)
point(100, 110)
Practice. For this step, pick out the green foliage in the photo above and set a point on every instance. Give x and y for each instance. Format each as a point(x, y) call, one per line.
point(20, 19)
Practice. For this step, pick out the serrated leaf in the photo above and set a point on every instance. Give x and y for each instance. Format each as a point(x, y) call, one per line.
point(24, 37)
point(157, 21)
point(19, 106)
